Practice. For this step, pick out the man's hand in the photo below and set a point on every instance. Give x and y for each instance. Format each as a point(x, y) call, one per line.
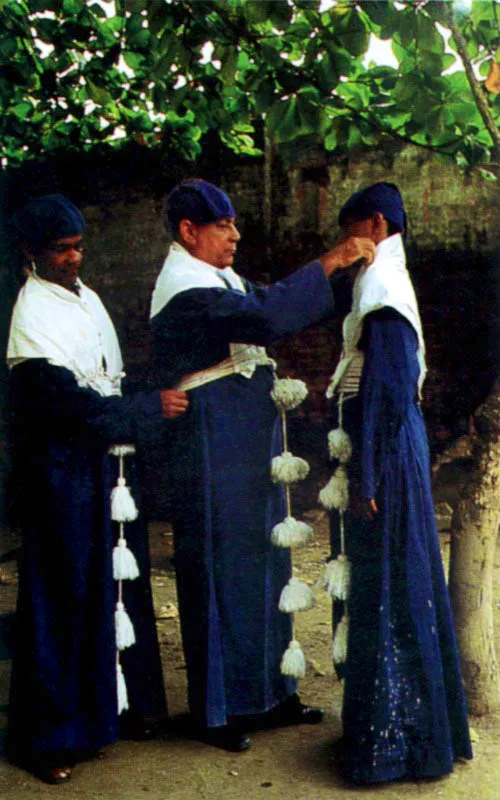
point(363, 507)
point(347, 252)
point(173, 403)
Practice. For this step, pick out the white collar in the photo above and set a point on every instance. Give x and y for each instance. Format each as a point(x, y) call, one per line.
point(181, 271)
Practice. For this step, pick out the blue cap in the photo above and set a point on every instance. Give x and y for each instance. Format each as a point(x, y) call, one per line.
point(383, 197)
point(199, 201)
point(46, 219)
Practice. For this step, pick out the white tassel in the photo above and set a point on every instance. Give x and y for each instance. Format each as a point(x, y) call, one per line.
point(121, 449)
point(336, 492)
point(123, 508)
point(293, 662)
point(296, 596)
point(287, 468)
point(339, 445)
point(339, 648)
point(125, 635)
point(291, 533)
point(288, 393)
point(124, 563)
point(121, 688)
point(336, 578)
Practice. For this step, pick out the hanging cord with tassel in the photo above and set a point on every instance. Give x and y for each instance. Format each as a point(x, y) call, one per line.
point(336, 576)
point(287, 469)
point(123, 510)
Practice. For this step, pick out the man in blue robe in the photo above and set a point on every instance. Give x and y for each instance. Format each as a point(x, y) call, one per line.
point(404, 711)
point(210, 328)
point(67, 409)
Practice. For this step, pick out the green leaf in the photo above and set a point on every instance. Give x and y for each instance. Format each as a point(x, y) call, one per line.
point(255, 11)
point(98, 94)
point(280, 13)
point(133, 60)
point(22, 110)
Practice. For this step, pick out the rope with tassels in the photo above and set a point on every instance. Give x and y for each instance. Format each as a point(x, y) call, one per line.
point(123, 510)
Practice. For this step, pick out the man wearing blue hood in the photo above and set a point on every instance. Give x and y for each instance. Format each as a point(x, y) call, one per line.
point(210, 328)
point(66, 372)
point(404, 711)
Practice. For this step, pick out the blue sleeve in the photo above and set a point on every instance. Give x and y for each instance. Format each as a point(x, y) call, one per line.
point(261, 316)
point(50, 396)
point(388, 388)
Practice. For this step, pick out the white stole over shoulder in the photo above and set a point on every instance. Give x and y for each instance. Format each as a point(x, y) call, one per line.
point(180, 272)
point(69, 330)
point(385, 283)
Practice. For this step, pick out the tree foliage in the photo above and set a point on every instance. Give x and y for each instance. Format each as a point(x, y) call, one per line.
point(75, 73)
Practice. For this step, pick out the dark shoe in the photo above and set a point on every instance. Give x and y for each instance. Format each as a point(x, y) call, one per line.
point(139, 728)
point(52, 775)
point(293, 712)
point(227, 737)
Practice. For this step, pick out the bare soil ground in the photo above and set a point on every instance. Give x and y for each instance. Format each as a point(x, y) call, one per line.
point(290, 763)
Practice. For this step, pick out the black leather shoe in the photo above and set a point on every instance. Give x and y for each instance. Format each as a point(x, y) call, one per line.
point(226, 737)
point(293, 712)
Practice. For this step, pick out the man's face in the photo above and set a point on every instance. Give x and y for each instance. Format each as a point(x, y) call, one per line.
point(359, 227)
point(60, 261)
point(214, 243)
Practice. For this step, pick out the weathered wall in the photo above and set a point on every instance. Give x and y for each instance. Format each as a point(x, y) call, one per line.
point(453, 248)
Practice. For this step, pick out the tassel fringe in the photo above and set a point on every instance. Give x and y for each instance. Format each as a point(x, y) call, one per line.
point(339, 445)
point(336, 492)
point(123, 507)
point(293, 662)
point(121, 688)
point(339, 648)
point(125, 635)
point(291, 533)
point(124, 563)
point(288, 468)
point(336, 578)
point(288, 393)
point(296, 596)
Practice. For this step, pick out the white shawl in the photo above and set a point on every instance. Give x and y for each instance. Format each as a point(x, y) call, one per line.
point(386, 282)
point(182, 271)
point(69, 330)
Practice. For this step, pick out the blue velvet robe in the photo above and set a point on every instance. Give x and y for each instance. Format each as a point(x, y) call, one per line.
point(63, 688)
point(229, 574)
point(404, 710)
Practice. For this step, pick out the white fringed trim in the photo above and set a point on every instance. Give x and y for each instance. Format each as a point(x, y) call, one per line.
point(121, 449)
point(291, 533)
point(293, 662)
point(123, 507)
point(339, 647)
point(125, 635)
point(336, 492)
point(288, 468)
point(121, 688)
point(124, 563)
point(288, 393)
point(296, 596)
point(339, 445)
point(336, 578)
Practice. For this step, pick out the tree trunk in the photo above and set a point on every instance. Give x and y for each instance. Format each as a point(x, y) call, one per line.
point(474, 535)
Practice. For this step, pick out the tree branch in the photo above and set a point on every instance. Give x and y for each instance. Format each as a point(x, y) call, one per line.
point(475, 86)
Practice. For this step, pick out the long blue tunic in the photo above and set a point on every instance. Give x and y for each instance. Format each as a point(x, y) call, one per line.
point(404, 711)
point(229, 574)
point(63, 689)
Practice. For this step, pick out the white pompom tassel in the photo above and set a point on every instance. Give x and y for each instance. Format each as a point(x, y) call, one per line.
point(291, 533)
point(336, 578)
point(121, 688)
point(123, 507)
point(339, 445)
point(124, 563)
point(296, 596)
point(336, 492)
point(339, 648)
point(293, 662)
point(125, 635)
point(287, 468)
point(288, 393)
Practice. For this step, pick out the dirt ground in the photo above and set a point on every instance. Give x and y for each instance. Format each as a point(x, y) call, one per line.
point(290, 763)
